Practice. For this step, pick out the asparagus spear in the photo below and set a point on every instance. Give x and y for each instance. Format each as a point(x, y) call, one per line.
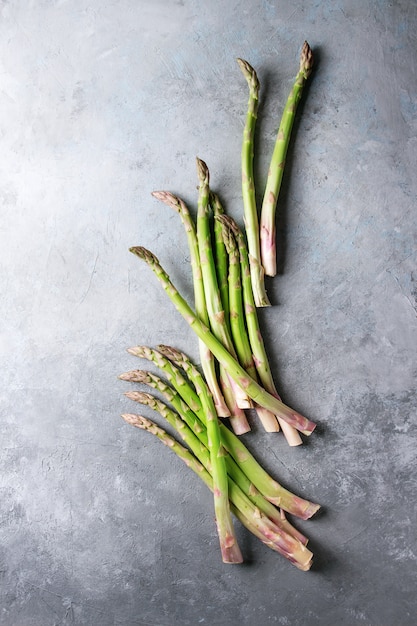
point(258, 348)
point(199, 429)
point(212, 458)
point(248, 186)
point(281, 542)
point(206, 357)
point(237, 320)
point(214, 305)
point(272, 490)
point(221, 256)
point(233, 368)
point(276, 168)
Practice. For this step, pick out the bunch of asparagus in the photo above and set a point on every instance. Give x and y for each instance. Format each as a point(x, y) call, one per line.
point(228, 269)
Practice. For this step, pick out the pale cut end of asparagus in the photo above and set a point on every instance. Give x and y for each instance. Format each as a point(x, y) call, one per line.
point(291, 435)
point(267, 419)
point(306, 60)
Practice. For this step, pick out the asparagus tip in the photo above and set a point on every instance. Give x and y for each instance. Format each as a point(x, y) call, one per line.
point(135, 420)
point(135, 376)
point(167, 198)
point(306, 60)
point(144, 254)
point(249, 73)
point(202, 171)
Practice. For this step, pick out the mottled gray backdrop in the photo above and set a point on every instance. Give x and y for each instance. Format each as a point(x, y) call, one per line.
point(102, 103)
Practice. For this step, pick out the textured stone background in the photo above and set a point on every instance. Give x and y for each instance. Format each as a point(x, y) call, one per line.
point(101, 103)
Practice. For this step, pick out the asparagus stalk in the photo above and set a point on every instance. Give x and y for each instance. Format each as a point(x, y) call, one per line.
point(211, 289)
point(272, 490)
point(213, 459)
point(281, 542)
point(206, 357)
point(199, 429)
point(257, 393)
point(237, 320)
point(258, 348)
point(276, 168)
point(248, 186)
point(221, 256)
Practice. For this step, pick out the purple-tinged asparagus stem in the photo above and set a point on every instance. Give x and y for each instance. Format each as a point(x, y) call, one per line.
point(270, 488)
point(214, 305)
point(233, 368)
point(206, 357)
point(199, 429)
point(277, 165)
point(248, 186)
point(295, 552)
point(258, 348)
point(253, 519)
point(214, 458)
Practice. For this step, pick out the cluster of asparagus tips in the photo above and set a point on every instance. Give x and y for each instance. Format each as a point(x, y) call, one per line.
point(239, 484)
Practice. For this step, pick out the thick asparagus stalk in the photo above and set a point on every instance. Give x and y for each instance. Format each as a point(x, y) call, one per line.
point(281, 542)
point(206, 357)
point(213, 459)
point(276, 168)
point(233, 368)
point(199, 429)
point(258, 348)
point(237, 320)
point(248, 186)
point(214, 305)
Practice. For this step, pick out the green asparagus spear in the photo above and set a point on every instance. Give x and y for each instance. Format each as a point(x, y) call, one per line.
point(272, 490)
point(206, 357)
point(233, 368)
point(211, 289)
point(237, 320)
point(213, 458)
point(199, 429)
point(248, 186)
point(284, 543)
point(221, 256)
point(276, 168)
point(258, 348)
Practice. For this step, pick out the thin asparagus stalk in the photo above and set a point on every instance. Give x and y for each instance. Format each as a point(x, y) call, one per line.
point(199, 429)
point(272, 490)
point(211, 289)
point(281, 542)
point(206, 357)
point(237, 419)
point(213, 459)
point(233, 368)
point(255, 337)
point(221, 256)
point(248, 186)
point(276, 168)
point(237, 320)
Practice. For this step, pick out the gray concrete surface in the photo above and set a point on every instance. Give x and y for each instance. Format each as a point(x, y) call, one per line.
point(101, 103)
